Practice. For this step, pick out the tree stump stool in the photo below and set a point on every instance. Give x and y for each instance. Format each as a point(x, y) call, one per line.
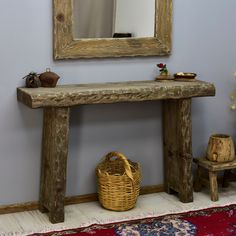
point(213, 168)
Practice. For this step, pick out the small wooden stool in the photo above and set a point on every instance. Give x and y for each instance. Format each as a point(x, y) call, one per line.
point(213, 168)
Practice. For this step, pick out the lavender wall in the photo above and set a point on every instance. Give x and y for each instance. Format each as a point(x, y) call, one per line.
point(204, 36)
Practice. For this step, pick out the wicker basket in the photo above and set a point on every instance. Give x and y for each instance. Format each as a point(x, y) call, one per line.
point(118, 182)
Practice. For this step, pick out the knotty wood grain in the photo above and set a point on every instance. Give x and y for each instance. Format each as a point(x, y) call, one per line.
point(68, 47)
point(135, 91)
point(54, 162)
point(212, 181)
point(213, 186)
point(215, 166)
point(177, 144)
point(176, 119)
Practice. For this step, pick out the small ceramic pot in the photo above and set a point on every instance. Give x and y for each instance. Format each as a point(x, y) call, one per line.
point(49, 79)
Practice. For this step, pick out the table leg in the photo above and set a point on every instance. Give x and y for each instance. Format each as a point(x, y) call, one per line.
point(198, 181)
point(177, 144)
point(213, 186)
point(226, 178)
point(54, 162)
point(229, 176)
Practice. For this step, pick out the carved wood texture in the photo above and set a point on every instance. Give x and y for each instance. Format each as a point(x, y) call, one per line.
point(54, 161)
point(177, 130)
point(213, 168)
point(135, 91)
point(177, 138)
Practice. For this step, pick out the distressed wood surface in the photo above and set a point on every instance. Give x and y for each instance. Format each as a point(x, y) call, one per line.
point(228, 176)
point(197, 185)
point(54, 162)
point(177, 140)
point(213, 186)
point(135, 91)
point(56, 103)
point(220, 148)
point(68, 47)
point(215, 166)
point(170, 148)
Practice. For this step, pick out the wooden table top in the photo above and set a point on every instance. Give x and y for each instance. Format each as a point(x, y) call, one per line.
point(133, 91)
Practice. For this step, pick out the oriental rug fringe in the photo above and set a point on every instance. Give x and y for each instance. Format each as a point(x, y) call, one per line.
point(214, 221)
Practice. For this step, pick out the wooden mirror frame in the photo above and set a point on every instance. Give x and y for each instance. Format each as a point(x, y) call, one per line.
point(67, 47)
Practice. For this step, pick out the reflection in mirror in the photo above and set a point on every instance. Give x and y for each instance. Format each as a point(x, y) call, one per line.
point(113, 18)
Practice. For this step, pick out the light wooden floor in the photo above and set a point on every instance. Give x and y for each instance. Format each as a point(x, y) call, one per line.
point(89, 213)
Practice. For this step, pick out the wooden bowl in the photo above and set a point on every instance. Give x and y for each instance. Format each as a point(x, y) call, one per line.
point(220, 148)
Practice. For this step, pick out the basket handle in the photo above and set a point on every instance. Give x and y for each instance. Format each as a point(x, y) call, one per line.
point(128, 170)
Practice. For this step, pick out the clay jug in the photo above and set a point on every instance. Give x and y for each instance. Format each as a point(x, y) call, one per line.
point(220, 148)
point(49, 79)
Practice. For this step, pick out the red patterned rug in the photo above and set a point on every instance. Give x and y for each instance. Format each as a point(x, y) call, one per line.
point(218, 221)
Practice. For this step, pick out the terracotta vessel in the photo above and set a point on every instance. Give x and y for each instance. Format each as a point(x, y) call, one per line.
point(220, 148)
point(49, 79)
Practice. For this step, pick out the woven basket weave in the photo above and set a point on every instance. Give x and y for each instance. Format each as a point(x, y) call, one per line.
point(118, 182)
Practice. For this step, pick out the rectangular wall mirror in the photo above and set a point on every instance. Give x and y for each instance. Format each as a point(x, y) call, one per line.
point(111, 28)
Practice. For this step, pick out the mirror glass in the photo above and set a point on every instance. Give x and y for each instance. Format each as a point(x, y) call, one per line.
point(113, 18)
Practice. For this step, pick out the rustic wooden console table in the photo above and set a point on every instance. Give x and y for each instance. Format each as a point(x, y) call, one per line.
point(177, 136)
